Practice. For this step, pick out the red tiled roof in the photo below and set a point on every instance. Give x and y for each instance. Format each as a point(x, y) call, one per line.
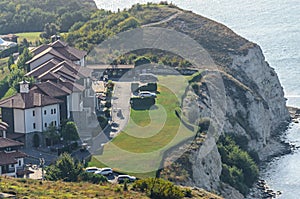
point(74, 87)
point(51, 89)
point(48, 76)
point(5, 142)
point(65, 69)
point(39, 49)
point(14, 136)
point(10, 157)
point(49, 65)
point(58, 49)
point(28, 100)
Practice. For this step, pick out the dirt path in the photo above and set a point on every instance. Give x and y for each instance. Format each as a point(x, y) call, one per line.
point(164, 20)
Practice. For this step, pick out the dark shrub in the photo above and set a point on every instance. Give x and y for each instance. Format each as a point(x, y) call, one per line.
point(149, 87)
point(102, 121)
point(142, 103)
point(92, 178)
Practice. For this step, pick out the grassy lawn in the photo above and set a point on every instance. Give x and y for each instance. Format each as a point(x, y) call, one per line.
point(30, 36)
point(149, 133)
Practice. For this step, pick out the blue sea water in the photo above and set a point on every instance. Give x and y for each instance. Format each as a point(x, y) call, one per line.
point(275, 26)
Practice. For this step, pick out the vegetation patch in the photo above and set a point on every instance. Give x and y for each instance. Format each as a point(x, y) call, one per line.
point(238, 168)
point(26, 188)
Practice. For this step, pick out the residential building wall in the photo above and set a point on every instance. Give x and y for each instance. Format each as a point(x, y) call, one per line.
point(50, 116)
point(36, 119)
point(14, 168)
point(76, 102)
point(19, 121)
point(8, 117)
point(33, 120)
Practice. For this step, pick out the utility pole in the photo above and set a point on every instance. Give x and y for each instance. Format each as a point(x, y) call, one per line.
point(42, 162)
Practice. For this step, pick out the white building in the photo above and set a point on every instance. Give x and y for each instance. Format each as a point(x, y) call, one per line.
point(6, 44)
point(11, 159)
point(29, 113)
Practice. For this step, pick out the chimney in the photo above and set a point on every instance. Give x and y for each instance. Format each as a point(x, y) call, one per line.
point(55, 38)
point(24, 87)
point(4, 134)
point(37, 99)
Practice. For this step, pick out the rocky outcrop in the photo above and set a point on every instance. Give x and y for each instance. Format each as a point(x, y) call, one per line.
point(253, 104)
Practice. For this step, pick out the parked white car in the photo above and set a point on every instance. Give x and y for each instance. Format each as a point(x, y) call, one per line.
point(104, 171)
point(144, 94)
point(91, 169)
point(123, 178)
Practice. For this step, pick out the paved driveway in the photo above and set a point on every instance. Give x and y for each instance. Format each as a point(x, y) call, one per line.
point(121, 106)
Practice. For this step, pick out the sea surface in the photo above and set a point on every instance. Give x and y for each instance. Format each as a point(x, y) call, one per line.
point(275, 26)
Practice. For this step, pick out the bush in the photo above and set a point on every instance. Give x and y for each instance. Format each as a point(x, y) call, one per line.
point(142, 60)
point(107, 104)
point(92, 178)
point(142, 103)
point(157, 188)
point(239, 170)
point(149, 87)
point(103, 121)
point(8, 52)
point(188, 193)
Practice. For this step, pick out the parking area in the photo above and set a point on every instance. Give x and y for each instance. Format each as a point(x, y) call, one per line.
point(112, 177)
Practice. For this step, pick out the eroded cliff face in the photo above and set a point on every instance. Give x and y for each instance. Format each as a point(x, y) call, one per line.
point(255, 110)
point(254, 104)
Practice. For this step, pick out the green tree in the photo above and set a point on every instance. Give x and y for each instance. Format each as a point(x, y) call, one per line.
point(52, 134)
point(10, 62)
point(129, 23)
point(65, 168)
point(49, 30)
point(69, 132)
point(238, 169)
point(24, 57)
point(141, 61)
point(25, 43)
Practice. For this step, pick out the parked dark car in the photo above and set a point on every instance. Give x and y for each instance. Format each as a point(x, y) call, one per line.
point(124, 178)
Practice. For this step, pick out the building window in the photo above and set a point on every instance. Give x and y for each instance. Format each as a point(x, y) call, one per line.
point(46, 125)
point(55, 123)
point(20, 163)
point(51, 111)
point(45, 112)
point(33, 113)
point(34, 126)
point(8, 149)
point(55, 111)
